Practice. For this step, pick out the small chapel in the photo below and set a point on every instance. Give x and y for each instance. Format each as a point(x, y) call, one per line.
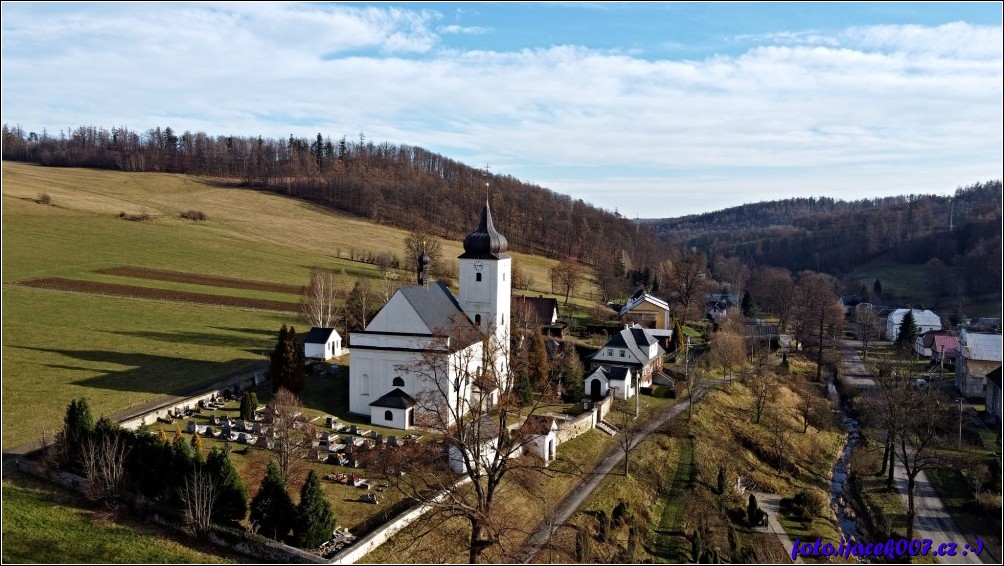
point(428, 356)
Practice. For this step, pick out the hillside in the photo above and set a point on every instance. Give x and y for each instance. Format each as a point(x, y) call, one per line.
point(402, 186)
point(75, 326)
point(961, 233)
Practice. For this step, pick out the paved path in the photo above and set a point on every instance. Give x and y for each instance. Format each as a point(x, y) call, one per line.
point(932, 520)
point(568, 506)
point(771, 504)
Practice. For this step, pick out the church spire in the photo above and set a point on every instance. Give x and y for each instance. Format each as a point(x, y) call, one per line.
point(485, 242)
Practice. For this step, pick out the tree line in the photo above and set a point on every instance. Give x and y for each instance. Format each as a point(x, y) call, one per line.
point(961, 232)
point(399, 185)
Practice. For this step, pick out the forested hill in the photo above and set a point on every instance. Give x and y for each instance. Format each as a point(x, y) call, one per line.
point(403, 186)
point(824, 234)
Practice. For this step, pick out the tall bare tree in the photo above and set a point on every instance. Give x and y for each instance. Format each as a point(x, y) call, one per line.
point(775, 290)
point(103, 456)
point(689, 283)
point(868, 325)
point(290, 433)
point(820, 316)
point(418, 242)
point(198, 494)
point(322, 303)
point(460, 372)
point(727, 350)
point(566, 276)
point(763, 386)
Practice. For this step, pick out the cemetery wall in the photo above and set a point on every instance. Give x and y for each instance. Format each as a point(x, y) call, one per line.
point(571, 428)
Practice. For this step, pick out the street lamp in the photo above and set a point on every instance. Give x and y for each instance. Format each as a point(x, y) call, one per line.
point(959, 400)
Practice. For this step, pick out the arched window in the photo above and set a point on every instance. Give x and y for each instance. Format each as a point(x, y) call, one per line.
point(364, 384)
point(398, 382)
point(477, 320)
point(388, 415)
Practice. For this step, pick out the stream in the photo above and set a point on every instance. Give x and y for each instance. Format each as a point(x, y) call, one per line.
point(846, 516)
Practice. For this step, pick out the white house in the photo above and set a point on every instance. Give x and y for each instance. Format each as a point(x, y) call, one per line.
point(539, 434)
point(616, 380)
point(924, 320)
point(322, 343)
point(426, 350)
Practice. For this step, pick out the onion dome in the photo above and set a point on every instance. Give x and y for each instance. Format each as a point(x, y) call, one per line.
point(485, 242)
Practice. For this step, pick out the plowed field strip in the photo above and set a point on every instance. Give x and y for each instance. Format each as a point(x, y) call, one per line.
point(117, 290)
point(197, 279)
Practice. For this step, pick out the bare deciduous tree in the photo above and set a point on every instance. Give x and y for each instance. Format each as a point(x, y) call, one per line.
point(321, 305)
point(727, 350)
point(290, 432)
point(198, 494)
point(689, 283)
point(103, 460)
point(868, 325)
point(460, 373)
point(566, 276)
point(763, 386)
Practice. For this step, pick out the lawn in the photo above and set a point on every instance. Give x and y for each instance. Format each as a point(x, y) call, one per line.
point(34, 512)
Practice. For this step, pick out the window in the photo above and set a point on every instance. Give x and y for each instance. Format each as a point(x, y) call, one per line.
point(622, 353)
point(477, 277)
point(388, 415)
point(398, 382)
point(364, 384)
point(477, 320)
point(610, 351)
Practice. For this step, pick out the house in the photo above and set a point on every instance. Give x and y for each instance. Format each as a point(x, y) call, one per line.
point(633, 355)
point(924, 320)
point(616, 380)
point(979, 354)
point(322, 343)
point(993, 396)
point(718, 304)
point(427, 350)
point(647, 311)
point(540, 312)
point(939, 345)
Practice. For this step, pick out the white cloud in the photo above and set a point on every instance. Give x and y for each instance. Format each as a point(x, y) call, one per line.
point(805, 109)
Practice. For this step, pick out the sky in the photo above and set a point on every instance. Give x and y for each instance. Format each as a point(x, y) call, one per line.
point(653, 110)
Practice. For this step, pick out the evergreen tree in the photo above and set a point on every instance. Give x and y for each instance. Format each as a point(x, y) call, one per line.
point(78, 425)
point(877, 288)
point(231, 493)
point(748, 305)
point(286, 363)
point(721, 480)
point(752, 511)
point(524, 389)
point(272, 508)
point(314, 517)
point(907, 333)
point(249, 403)
point(679, 341)
point(539, 367)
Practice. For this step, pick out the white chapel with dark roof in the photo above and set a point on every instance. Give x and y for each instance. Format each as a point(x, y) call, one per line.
point(424, 327)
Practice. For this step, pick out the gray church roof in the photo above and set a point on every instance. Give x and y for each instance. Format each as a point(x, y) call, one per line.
point(435, 305)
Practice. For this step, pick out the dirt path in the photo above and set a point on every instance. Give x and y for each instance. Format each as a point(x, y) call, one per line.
point(568, 506)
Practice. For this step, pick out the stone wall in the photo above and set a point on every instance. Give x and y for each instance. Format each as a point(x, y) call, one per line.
point(571, 428)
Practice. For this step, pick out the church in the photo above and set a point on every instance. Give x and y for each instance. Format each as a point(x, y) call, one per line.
point(428, 355)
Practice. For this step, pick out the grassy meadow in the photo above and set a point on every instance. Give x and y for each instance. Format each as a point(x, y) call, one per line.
point(32, 512)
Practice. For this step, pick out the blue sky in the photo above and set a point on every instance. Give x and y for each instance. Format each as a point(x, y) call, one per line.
point(652, 109)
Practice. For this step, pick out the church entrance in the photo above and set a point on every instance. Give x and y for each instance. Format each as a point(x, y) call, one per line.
point(594, 389)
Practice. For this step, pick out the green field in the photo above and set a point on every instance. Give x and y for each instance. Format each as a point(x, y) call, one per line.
point(33, 513)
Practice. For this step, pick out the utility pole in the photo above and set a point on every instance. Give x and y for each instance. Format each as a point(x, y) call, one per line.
point(960, 421)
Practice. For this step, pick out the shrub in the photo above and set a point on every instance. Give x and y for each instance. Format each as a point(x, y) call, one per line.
point(44, 198)
point(807, 505)
point(193, 215)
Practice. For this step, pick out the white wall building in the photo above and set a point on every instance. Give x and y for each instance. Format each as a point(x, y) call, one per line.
point(925, 321)
point(425, 350)
point(322, 343)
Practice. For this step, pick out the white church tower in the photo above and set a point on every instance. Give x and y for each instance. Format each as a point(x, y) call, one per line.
point(486, 285)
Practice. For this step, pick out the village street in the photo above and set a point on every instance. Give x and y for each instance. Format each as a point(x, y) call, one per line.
point(932, 521)
point(591, 480)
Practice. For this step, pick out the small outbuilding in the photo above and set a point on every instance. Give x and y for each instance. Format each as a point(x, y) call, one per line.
point(322, 344)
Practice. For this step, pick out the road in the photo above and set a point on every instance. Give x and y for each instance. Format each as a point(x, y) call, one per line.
point(568, 506)
point(933, 520)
